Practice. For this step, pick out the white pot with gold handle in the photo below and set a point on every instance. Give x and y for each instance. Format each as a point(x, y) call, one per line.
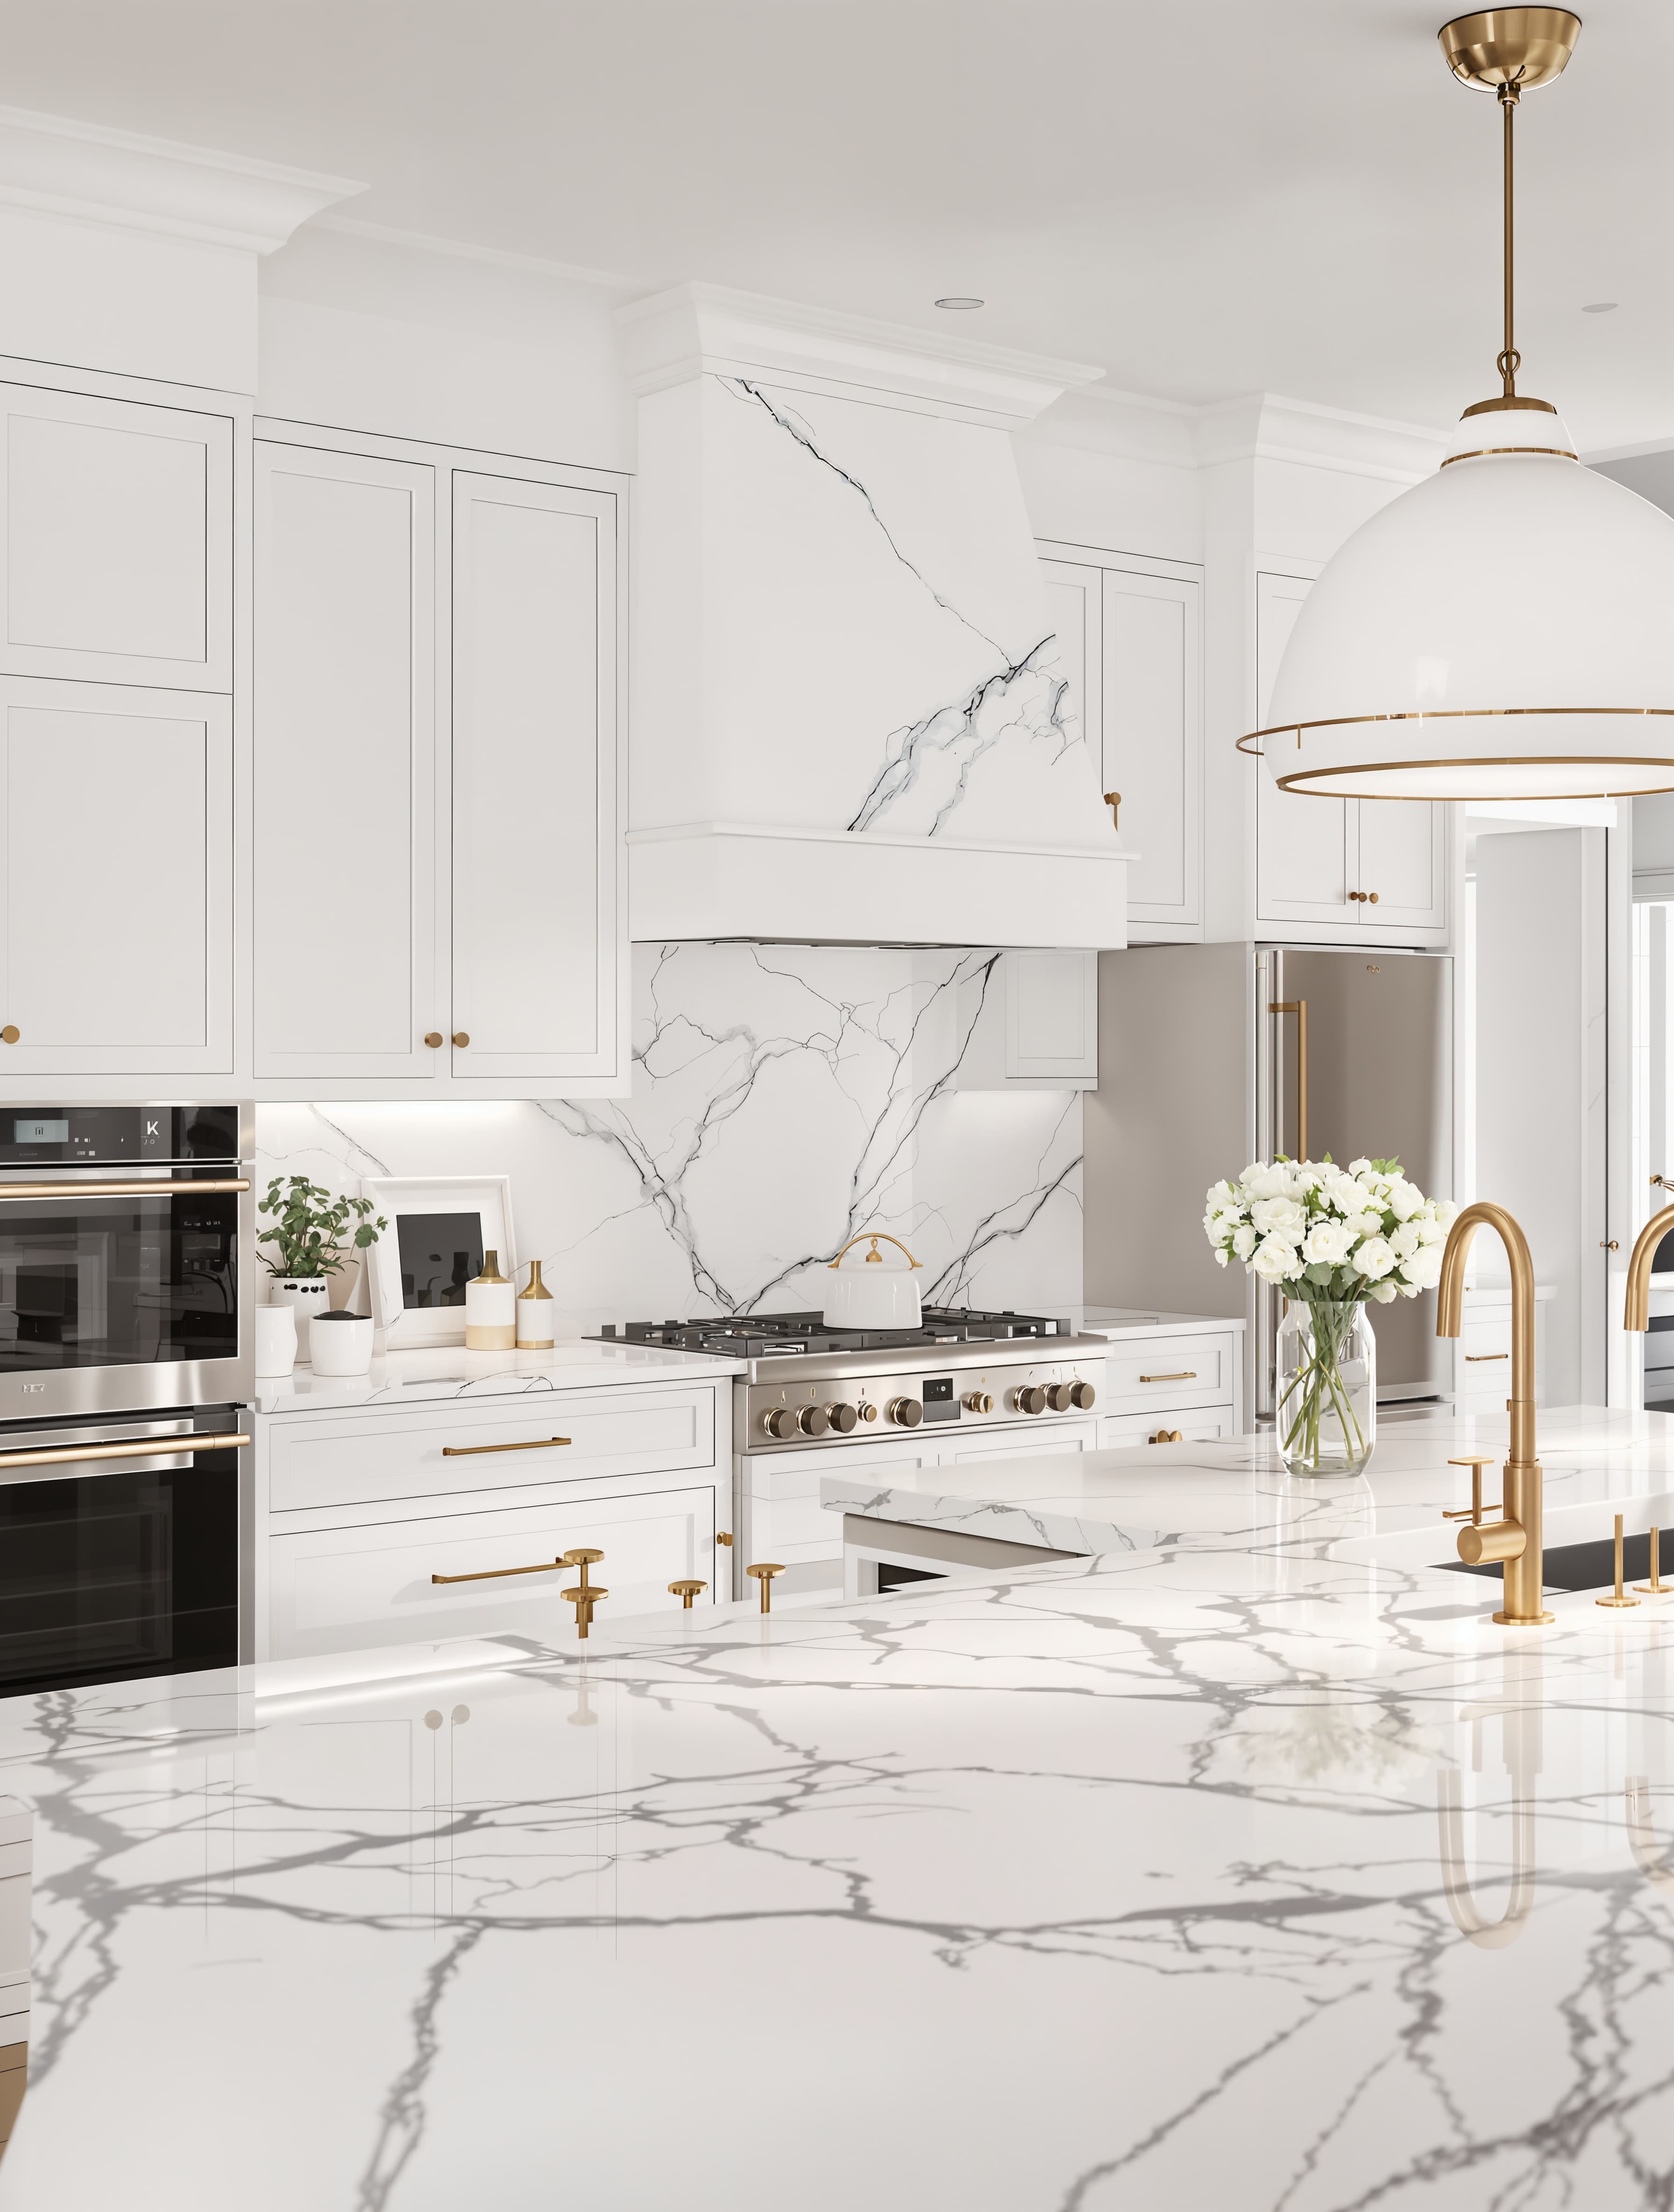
point(873, 1292)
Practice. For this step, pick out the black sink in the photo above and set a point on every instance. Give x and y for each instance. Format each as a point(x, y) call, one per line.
point(1586, 1566)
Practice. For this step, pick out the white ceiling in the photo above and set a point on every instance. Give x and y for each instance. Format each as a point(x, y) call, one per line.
point(1288, 195)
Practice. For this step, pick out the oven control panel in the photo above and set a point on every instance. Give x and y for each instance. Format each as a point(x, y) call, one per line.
point(864, 1408)
point(101, 1136)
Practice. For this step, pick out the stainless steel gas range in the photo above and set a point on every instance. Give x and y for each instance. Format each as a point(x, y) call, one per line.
point(963, 1385)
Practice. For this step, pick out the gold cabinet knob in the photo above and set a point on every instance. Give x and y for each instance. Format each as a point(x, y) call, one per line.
point(1372, 898)
point(10, 1034)
point(724, 1536)
point(462, 1037)
point(685, 1591)
point(763, 1573)
point(435, 1039)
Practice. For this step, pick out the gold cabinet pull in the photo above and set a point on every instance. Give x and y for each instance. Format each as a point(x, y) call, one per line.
point(685, 1591)
point(1478, 1359)
point(1113, 800)
point(1299, 1008)
point(142, 1448)
point(471, 1451)
point(1166, 1436)
point(435, 1039)
point(121, 1189)
point(462, 1037)
point(1186, 1375)
point(763, 1574)
point(10, 1034)
point(582, 1559)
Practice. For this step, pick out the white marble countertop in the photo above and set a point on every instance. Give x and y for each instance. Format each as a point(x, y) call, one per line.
point(1137, 1320)
point(1237, 1872)
point(409, 1378)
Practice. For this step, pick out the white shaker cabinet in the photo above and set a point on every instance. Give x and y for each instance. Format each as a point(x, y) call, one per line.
point(1330, 868)
point(116, 553)
point(437, 655)
point(1129, 633)
point(345, 982)
point(538, 952)
point(116, 843)
point(1029, 1018)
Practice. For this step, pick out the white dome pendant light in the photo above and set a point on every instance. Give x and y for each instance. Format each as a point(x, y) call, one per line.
point(1504, 629)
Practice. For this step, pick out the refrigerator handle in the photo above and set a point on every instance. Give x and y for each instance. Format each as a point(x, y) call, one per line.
point(1299, 1008)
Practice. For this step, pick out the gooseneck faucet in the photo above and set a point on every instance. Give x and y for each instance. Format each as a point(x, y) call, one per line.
point(1636, 1312)
point(1517, 1540)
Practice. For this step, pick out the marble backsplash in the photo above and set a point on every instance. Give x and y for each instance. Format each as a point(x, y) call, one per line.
point(784, 1097)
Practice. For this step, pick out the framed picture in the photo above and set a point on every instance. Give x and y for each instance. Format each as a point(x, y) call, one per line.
point(440, 1226)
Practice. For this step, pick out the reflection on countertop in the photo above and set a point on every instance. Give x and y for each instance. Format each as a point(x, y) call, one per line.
point(409, 1378)
point(1231, 1872)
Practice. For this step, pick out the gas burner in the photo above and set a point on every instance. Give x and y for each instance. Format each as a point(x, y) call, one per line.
point(777, 1336)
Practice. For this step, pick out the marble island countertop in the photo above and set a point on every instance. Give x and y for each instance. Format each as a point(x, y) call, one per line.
point(1231, 1873)
point(410, 1378)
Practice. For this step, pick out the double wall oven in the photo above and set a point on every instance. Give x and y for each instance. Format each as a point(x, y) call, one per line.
point(126, 1284)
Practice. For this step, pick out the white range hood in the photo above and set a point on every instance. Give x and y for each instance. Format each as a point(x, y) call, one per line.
point(850, 719)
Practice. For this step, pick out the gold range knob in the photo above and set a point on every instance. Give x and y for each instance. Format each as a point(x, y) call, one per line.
point(977, 1401)
point(780, 1423)
point(905, 1413)
point(1058, 1397)
point(840, 1418)
point(1029, 1398)
point(1083, 1397)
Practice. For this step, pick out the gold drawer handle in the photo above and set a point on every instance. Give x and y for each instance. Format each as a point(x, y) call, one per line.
point(1476, 1358)
point(471, 1451)
point(1166, 1436)
point(1186, 1375)
point(583, 1559)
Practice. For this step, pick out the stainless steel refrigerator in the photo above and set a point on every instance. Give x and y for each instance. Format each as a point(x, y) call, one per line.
point(1211, 1056)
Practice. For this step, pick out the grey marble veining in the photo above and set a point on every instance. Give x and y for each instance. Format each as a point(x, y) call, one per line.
point(784, 1097)
point(1256, 1876)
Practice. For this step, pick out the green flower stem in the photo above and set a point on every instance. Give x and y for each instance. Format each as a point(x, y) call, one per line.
point(1321, 1387)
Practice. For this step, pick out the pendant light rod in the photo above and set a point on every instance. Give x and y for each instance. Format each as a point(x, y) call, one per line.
point(1510, 360)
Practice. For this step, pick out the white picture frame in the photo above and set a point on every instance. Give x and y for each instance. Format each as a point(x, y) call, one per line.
point(442, 1199)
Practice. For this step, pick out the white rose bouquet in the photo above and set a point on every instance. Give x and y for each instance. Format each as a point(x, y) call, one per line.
point(1329, 1237)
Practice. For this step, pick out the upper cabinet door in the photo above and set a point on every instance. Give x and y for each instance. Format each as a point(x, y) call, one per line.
point(345, 981)
point(116, 553)
point(536, 878)
point(1305, 857)
point(116, 913)
point(1152, 736)
point(1403, 864)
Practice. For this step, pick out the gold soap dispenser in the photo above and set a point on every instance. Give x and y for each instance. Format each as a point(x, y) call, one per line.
point(491, 1309)
point(534, 1313)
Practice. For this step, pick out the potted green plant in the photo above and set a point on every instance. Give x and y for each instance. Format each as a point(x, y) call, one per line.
point(314, 1233)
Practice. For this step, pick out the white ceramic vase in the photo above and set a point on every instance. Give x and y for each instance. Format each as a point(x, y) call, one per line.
point(276, 1339)
point(340, 1343)
point(305, 1295)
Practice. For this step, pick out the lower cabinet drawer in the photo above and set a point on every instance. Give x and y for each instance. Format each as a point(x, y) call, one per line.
point(1182, 1370)
point(1203, 1425)
point(350, 1590)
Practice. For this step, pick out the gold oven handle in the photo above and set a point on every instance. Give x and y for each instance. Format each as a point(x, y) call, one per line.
point(471, 1451)
point(120, 1189)
point(142, 1448)
point(1299, 1008)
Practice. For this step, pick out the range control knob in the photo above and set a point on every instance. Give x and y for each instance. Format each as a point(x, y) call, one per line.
point(781, 1422)
point(868, 1412)
point(842, 1418)
point(1029, 1398)
point(813, 1420)
point(905, 1413)
point(1083, 1397)
point(1060, 1397)
point(978, 1402)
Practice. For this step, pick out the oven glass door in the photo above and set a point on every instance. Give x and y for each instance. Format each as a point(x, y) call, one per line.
point(112, 1570)
point(118, 1282)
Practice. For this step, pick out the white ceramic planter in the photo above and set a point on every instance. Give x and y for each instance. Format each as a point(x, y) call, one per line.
point(340, 1344)
point(306, 1295)
point(276, 1339)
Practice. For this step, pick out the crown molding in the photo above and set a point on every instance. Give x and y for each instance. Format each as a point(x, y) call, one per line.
point(697, 329)
point(1265, 426)
point(82, 173)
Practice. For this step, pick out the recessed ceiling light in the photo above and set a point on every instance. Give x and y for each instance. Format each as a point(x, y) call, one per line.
point(957, 302)
point(1599, 308)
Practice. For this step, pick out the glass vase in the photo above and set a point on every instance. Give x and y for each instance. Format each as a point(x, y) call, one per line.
point(1325, 1387)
